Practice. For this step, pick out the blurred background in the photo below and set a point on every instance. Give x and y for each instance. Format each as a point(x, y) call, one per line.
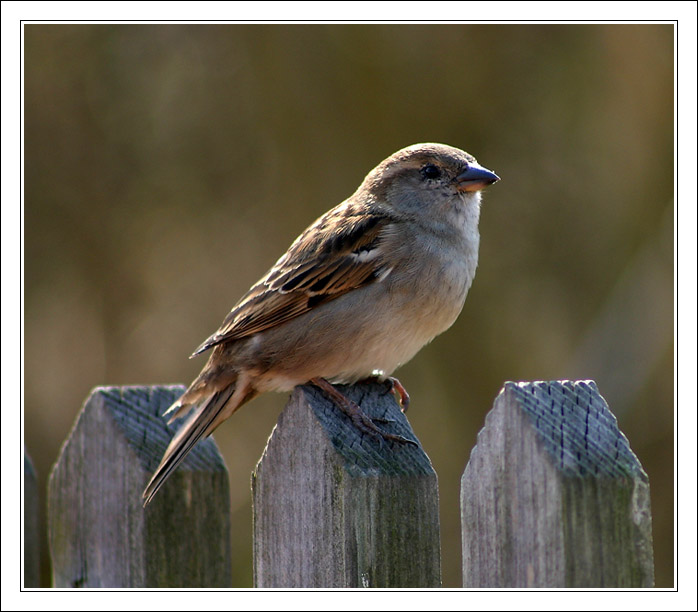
point(167, 167)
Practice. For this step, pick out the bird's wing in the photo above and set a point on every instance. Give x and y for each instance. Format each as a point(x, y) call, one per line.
point(339, 253)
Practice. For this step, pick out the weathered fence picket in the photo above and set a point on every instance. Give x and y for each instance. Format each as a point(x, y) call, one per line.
point(337, 508)
point(553, 496)
point(99, 533)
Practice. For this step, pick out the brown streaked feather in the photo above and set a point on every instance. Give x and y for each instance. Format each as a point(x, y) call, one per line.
point(199, 425)
point(325, 262)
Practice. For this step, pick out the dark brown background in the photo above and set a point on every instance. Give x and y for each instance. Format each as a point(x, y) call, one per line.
point(168, 166)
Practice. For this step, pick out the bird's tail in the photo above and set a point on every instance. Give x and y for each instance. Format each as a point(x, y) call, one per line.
point(204, 419)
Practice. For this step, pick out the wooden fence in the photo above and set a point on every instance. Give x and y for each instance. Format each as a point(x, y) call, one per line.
point(552, 497)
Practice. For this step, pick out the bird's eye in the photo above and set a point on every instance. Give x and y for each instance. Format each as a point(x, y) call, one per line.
point(430, 171)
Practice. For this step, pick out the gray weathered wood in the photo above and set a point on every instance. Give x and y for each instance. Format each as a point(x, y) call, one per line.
point(553, 496)
point(335, 508)
point(32, 542)
point(99, 533)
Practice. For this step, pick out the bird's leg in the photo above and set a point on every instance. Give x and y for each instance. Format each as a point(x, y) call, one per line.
point(394, 386)
point(358, 417)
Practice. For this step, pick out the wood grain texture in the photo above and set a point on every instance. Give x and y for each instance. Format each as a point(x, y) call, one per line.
point(99, 533)
point(553, 496)
point(32, 537)
point(336, 508)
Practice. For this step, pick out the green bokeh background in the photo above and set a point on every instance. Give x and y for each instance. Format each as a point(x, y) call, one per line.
point(168, 166)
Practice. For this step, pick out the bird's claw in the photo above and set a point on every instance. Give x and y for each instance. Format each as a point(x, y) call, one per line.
point(358, 417)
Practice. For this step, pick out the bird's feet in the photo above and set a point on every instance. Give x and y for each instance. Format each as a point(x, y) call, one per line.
point(393, 386)
point(358, 417)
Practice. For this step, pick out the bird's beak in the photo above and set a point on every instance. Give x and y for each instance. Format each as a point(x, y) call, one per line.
point(475, 178)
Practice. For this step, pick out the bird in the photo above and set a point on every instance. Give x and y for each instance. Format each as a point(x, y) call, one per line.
point(356, 295)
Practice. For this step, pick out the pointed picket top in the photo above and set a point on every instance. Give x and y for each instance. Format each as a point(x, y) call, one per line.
point(336, 508)
point(553, 496)
point(100, 535)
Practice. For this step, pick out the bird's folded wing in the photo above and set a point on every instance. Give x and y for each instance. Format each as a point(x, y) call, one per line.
point(336, 255)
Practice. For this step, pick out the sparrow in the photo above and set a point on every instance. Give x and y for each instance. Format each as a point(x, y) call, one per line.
point(356, 295)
